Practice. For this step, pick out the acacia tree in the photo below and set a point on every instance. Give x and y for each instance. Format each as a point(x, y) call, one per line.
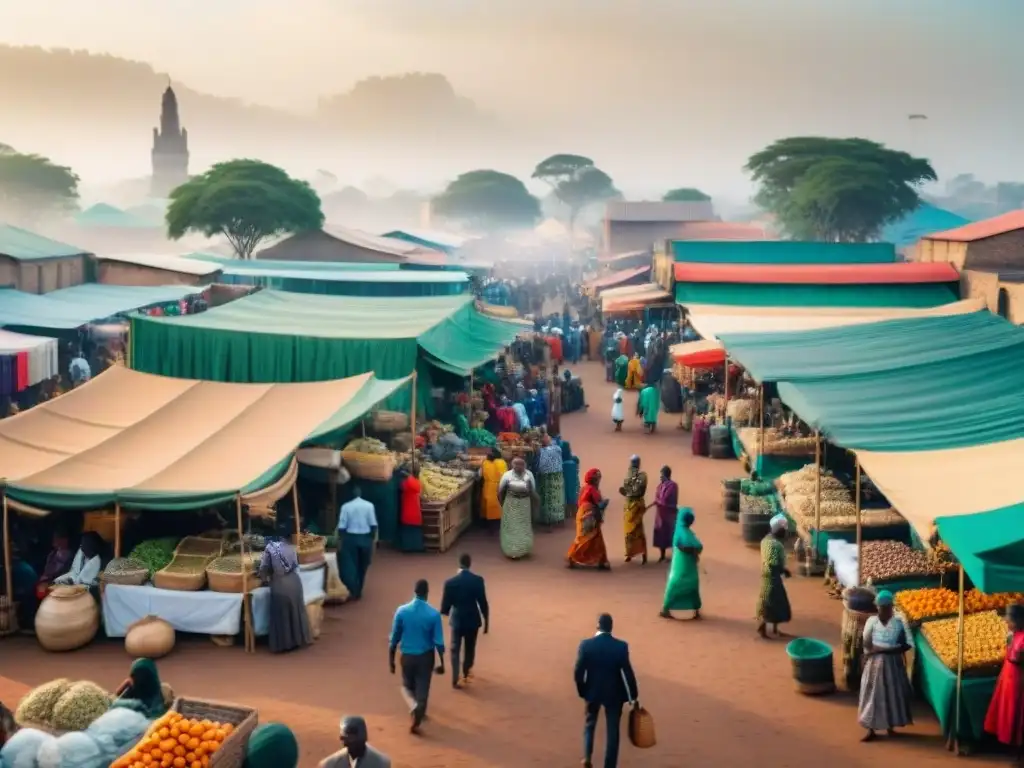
point(576, 182)
point(685, 195)
point(836, 190)
point(488, 200)
point(246, 201)
point(32, 187)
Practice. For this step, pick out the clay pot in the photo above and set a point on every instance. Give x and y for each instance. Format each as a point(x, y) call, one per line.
point(68, 618)
point(149, 638)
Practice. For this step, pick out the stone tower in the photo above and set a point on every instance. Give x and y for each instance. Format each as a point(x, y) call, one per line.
point(170, 148)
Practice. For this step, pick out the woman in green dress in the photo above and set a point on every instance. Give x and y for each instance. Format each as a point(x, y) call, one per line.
point(517, 493)
point(142, 691)
point(650, 405)
point(621, 370)
point(773, 602)
point(682, 592)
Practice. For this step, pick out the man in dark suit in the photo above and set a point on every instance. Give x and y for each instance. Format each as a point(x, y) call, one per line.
point(604, 678)
point(465, 603)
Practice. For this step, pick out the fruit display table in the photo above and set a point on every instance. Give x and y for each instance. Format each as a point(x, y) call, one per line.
point(202, 612)
point(937, 684)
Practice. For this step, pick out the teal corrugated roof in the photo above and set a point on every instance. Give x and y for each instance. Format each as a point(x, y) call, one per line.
point(273, 265)
point(104, 215)
point(82, 304)
point(924, 221)
point(781, 252)
point(22, 245)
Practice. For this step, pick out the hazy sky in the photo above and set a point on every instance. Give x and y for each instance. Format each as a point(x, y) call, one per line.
point(723, 76)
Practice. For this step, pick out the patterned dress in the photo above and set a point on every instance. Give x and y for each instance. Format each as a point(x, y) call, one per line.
point(551, 484)
point(634, 488)
point(884, 687)
point(773, 602)
point(516, 512)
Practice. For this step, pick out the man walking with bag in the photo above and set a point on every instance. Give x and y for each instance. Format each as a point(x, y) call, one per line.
point(604, 679)
point(464, 601)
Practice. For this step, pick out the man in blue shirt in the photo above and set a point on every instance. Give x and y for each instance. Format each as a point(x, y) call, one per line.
point(357, 528)
point(417, 631)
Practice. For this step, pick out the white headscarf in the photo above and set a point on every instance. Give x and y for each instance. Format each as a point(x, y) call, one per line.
point(779, 523)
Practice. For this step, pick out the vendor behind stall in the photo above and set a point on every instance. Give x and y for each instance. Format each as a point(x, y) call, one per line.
point(86, 567)
point(58, 562)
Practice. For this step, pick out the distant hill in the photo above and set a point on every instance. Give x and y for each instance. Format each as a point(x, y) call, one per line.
point(96, 111)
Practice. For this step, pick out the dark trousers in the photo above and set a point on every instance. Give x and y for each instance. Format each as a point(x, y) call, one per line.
point(612, 718)
point(417, 672)
point(354, 558)
point(460, 636)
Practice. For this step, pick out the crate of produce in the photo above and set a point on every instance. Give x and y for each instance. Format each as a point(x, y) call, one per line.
point(185, 573)
point(227, 574)
point(309, 548)
point(124, 570)
point(928, 604)
point(884, 562)
point(984, 642)
point(445, 520)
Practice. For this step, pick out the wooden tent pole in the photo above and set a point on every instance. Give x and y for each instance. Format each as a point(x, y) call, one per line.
point(8, 576)
point(817, 494)
point(955, 731)
point(412, 424)
point(760, 431)
point(117, 528)
point(860, 526)
point(295, 511)
point(250, 641)
point(727, 379)
point(128, 345)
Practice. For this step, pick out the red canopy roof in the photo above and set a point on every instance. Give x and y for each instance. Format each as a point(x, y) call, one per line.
point(818, 274)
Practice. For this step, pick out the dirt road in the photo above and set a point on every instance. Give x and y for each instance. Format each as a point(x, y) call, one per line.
point(720, 697)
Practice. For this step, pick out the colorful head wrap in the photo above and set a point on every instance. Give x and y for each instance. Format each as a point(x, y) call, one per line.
point(779, 523)
point(884, 597)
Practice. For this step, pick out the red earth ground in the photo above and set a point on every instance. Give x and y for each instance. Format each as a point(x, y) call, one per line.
point(719, 695)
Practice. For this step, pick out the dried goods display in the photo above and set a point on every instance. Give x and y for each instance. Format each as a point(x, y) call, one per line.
point(37, 705)
point(188, 743)
point(200, 547)
point(929, 603)
point(155, 553)
point(233, 573)
point(869, 518)
point(757, 505)
point(125, 570)
point(185, 572)
point(777, 442)
point(80, 705)
point(310, 548)
point(740, 410)
point(888, 560)
point(984, 642)
point(368, 445)
point(803, 480)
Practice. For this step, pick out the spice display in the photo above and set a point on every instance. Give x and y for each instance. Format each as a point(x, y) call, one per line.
point(368, 445)
point(777, 442)
point(888, 560)
point(757, 505)
point(154, 553)
point(37, 705)
point(984, 641)
point(188, 743)
point(199, 546)
point(922, 604)
point(79, 706)
point(232, 564)
point(123, 566)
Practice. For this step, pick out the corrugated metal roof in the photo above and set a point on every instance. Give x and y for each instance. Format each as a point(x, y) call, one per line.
point(651, 211)
point(22, 245)
point(979, 230)
point(818, 274)
point(444, 239)
point(168, 263)
point(722, 230)
point(617, 278)
point(388, 245)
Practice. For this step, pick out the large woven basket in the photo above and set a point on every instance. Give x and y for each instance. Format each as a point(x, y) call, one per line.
point(181, 581)
point(225, 581)
point(200, 546)
point(390, 421)
point(369, 466)
point(244, 719)
point(130, 574)
point(311, 549)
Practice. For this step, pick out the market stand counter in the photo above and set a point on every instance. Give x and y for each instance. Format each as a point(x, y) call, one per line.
point(203, 612)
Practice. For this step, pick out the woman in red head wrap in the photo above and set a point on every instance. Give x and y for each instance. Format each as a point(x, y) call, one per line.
point(588, 548)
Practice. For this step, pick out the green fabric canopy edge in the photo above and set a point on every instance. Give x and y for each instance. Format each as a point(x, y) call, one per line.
point(990, 546)
point(918, 295)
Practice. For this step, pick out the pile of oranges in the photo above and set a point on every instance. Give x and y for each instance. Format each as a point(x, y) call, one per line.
point(921, 604)
point(174, 741)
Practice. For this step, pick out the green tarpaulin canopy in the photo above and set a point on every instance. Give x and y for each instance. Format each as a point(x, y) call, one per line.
point(156, 442)
point(990, 546)
point(870, 347)
point(783, 295)
point(70, 308)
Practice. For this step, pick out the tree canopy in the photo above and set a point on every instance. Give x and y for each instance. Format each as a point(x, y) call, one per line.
point(488, 199)
point(575, 181)
point(837, 190)
point(685, 195)
point(31, 186)
point(246, 201)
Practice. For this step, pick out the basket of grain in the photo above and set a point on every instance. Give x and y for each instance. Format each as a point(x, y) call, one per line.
point(226, 573)
point(185, 573)
point(390, 421)
point(309, 548)
point(124, 570)
point(243, 721)
point(200, 546)
point(377, 467)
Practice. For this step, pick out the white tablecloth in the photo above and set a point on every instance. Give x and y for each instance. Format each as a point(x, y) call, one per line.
point(203, 612)
point(843, 557)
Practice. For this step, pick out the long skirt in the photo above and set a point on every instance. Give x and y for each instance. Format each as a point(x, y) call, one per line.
point(665, 527)
point(588, 547)
point(884, 693)
point(516, 526)
point(552, 497)
point(636, 539)
point(410, 538)
point(773, 602)
point(289, 624)
point(682, 590)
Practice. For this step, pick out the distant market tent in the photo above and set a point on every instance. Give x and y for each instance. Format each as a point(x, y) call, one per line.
point(925, 220)
point(105, 216)
point(22, 245)
point(446, 242)
point(348, 282)
point(153, 442)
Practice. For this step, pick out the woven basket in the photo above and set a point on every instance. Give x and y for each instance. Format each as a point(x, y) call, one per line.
point(390, 421)
point(200, 546)
point(181, 581)
point(308, 555)
point(369, 466)
point(130, 576)
point(225, 581)
point(641, 729)
point(244, 719)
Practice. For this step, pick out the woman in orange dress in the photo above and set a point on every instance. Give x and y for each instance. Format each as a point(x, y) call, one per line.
point(1005, 718)
point(588, 549)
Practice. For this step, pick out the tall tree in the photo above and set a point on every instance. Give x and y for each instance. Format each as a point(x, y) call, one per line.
point(6, 149)
point(488, 200)
point(32, 187)
point(837, 190)
point(685, 195)
point(246, 201)
point(576, 181)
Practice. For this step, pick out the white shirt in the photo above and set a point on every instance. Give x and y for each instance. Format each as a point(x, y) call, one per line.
point(357, 516)
point(82, 571)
